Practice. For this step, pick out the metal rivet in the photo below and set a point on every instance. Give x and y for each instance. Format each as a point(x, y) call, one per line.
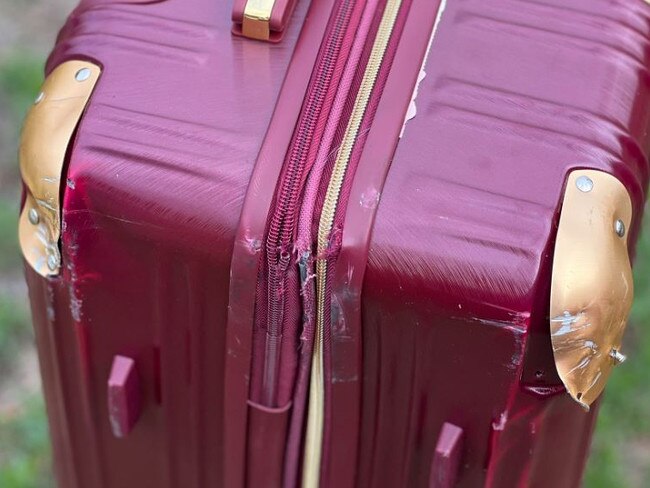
point(619, 227)
point(584, 184)
point(52, 262)
point(33, 217)
point(617, 356)
point(39, 98)
point(82, 75)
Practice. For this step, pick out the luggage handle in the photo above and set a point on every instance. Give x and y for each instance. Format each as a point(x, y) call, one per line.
point(591, 285)
point(263, 20)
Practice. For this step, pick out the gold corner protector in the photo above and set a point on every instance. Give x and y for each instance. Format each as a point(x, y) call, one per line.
point(591, 284)
point(46, 135)
point(256, 23)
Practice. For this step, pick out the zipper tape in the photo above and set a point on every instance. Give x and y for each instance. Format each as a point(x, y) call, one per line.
point(315, 418)
point(277, 275)
point(304, 240)
point(249, 238)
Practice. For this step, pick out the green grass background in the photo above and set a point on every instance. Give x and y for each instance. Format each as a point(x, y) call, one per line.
point(621, 449)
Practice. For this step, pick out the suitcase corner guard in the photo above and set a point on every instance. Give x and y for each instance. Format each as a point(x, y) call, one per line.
point(591, 286)
point(48, 129)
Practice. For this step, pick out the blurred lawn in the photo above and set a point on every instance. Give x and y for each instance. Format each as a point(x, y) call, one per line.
point(24, 444)
point(621, 449)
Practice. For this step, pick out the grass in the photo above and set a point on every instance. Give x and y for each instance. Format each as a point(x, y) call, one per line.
point(25, 448)
point(24, 444)
point(9, 250)
point(15, 329)
point(621, 448)
point(21, 76)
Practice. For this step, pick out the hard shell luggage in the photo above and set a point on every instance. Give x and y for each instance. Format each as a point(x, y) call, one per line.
point(368, 243)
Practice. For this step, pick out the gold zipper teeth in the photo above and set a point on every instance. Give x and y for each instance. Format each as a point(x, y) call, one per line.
point(314, 436)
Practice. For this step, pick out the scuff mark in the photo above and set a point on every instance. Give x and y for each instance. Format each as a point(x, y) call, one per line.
point(501, 423)
point(75, 300)
point(545, 391)
point(50, 311)
point(411, 111)
point(568, 320)
point(341, 379)
point(254, 246)
point(575, 344)
point(350, 273)
point(595, 380)
point(75, 306)
point(518, 324)
point(340, 328)
point(370, 198)
point(581, 365)
point(47, 205)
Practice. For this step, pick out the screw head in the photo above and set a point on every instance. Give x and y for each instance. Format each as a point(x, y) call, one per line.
point(52, 262)
point(584, 184)
point(619, 227)
point(39, 98)
point(617, 356)
point(82, 75)
point(33, 217)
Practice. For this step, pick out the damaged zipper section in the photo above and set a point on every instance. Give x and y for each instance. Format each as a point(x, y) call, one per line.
point(337, 118)
point(290, 368)
point(315, 435)
point(278, 303)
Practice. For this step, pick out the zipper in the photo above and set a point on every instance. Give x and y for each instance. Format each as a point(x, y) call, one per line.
point(280, 237)
point(336, 117)
point(313, 450)
point(335, 109)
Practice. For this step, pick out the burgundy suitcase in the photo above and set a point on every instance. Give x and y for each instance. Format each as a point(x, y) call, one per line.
point(373, 243)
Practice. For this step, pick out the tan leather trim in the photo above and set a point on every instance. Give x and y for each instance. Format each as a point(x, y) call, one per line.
point(592, 288)
point(47, 132)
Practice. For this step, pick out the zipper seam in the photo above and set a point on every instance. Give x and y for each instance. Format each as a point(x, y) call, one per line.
point(314, 436)
point(281, 227)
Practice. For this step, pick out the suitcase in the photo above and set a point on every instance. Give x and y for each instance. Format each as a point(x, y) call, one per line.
point(368, 243)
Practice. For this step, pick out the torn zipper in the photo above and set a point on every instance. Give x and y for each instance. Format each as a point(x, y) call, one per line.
point(301, 238)
point(313, 452)
point(278, 278)
point(304, 241)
